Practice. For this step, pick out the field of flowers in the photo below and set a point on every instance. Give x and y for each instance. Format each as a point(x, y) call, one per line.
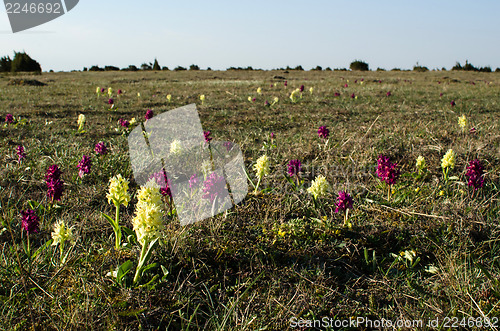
point(371, 194)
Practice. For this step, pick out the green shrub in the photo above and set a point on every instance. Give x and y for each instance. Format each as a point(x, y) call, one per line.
point(22, 62)
point(179, 68)
point(457, 66)
point(469, 67)
point(194, 67)
point(156, 66)
point(5, 64)
point(420, 68)
point(131, 68)
point(358, 65)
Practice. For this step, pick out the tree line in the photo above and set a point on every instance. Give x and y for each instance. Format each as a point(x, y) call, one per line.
point(22, 62)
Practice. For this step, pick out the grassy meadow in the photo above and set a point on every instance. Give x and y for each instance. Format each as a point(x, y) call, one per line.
point(421, 249)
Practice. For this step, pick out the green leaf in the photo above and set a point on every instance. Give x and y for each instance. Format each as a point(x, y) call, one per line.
point(145, 255)
point(150, 250)
point(123, 269)
point(165, 272)
point(128, 232)
point(150, 266)
point(248, 177)
point(416, 262)
point(151, 284)
point(111, 221)
point(41, 249)
point(36, 206)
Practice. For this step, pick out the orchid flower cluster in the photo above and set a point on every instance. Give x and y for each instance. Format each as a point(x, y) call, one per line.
point(84, 166)
point(148, 222)
point(262, 169)
point(387, 172)
point(448, 163)
point(118, 195)
point(81, 123)
point(54, 183)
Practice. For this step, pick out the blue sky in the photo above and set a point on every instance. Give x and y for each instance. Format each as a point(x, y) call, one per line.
point(264, 34)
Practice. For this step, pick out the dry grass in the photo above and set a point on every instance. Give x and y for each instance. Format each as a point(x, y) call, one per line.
point(275, 256)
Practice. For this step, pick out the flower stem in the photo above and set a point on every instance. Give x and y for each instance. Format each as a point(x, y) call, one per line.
point(258, 183)
point(445, 174)
point(315, 203)
point(346, 216)
point(61, 252)
point(118, 234)
point(29, 250)
point(138, 271)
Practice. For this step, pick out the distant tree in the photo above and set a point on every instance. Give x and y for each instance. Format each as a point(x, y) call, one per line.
point(22, 62)
point(466, 67)
point(469, 67)
point(420, 68)
point(165, 68)
point(5, 64)
point(179, 68)
point(96, 68)
point(358, 65)
point(497, 70)
point(380, 69)
point(111, 68)
point(299, 67)
point(85, 69)
point(318, 68)
point(443, 69)
point(457, 66)
point(395, 69)
point(209, 69)
point(485, 69)
point(156, 66)
point(328, 69)
point(146, 66)
point(131, 68)
point(194, 67)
